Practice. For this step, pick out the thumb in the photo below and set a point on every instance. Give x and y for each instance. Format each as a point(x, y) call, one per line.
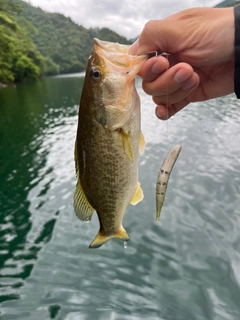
point(154, 37)
point(134, 47)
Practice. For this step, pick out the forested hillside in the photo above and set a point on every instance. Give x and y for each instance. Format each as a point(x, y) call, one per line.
point(63, 41)
point(19, 58)
point(34, 42)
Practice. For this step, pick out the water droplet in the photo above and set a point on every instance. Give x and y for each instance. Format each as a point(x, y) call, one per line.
point(125, 244)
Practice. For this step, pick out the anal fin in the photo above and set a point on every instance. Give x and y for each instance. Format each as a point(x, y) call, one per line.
point(138, 195)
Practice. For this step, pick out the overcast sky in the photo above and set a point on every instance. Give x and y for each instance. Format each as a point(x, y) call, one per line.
point(126, 17)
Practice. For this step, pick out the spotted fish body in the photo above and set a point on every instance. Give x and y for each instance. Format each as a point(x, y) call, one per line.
point(108, 140)
point(163, 177)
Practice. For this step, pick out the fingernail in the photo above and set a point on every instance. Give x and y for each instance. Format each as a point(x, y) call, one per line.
point(181, 76)
point(159, 114)
point(134, 48)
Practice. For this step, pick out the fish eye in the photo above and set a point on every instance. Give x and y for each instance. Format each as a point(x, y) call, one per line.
point(95, 74)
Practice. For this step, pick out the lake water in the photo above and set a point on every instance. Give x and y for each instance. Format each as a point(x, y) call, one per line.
point(185, 267)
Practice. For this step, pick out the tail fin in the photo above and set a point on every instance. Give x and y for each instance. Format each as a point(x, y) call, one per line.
point(101, 238)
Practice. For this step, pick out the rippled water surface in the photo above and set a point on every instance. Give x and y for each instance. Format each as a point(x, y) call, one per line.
point(185, 267)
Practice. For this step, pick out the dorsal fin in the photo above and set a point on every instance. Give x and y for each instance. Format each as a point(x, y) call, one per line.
point(82, 207)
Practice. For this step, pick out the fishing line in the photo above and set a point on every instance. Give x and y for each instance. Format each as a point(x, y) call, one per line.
point(166, 55)
point(167, 105)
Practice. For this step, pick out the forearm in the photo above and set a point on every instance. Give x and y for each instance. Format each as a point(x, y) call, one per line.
point(237, 51)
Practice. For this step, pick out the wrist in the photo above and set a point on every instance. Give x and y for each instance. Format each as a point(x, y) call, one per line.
point(224, 35)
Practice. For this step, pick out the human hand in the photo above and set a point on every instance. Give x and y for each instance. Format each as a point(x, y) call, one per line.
point(200, 42)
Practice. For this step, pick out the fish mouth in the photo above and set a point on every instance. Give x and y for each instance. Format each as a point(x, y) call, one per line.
point(117, 58)
point(112, 46)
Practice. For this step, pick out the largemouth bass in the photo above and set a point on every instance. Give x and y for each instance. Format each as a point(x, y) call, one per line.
point(108, 140)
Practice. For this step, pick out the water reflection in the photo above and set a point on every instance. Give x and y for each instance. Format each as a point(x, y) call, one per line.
point(186, 266)
point(26, 122)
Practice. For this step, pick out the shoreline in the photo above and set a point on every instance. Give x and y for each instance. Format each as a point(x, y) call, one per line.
point(63, 75)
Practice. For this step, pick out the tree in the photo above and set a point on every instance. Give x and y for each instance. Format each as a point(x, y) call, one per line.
point(19, 58)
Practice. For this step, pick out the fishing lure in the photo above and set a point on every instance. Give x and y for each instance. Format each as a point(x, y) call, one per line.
point(163, 177)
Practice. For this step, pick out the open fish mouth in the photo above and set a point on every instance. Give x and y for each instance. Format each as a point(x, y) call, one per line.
point(116, 56)
point(112, 47)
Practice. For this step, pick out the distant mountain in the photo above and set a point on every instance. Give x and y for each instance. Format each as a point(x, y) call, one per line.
point(65, 44)
point(227, 3)
point(133, 39)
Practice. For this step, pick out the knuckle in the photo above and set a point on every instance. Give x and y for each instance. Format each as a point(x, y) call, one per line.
point(145, 87)
point(157, 100)
point(148, 28)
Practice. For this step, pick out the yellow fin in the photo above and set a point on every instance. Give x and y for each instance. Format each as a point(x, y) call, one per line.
point(101, 238)
point(127, 145)
point(141, 143)
point(82, 207)
point(138, 196)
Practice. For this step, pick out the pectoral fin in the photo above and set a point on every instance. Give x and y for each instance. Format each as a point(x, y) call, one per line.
point(82, 207)
point(138, 196)
point(127, 145)
point(141, 143)
point(101, 238)
point(114, 118)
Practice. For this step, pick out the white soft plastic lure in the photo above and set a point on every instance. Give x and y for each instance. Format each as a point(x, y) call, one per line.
point(163, 177)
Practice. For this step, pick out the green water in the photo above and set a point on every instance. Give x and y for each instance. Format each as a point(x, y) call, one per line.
point(187, 266)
